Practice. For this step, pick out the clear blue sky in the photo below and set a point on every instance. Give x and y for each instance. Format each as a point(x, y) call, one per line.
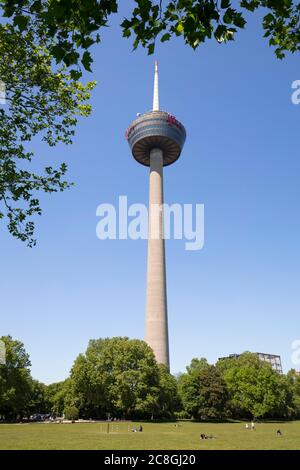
point(241, 160)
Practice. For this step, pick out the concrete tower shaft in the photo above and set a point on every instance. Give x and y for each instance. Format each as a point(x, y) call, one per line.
point(156, 327)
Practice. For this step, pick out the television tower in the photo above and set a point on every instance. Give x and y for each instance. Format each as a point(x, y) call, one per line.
point(156, 139)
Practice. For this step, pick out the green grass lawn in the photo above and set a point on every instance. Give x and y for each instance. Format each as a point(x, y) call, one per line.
point(154, 436)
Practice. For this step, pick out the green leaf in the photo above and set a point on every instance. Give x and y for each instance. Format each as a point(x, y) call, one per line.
point(126, 33)
point(250, 5)
point(21, 21)
point(58, 10)
point(239, 21)
point(58, 52)
point(75, 74)
point(151, 48)
point(269, 18)
point(225, 3)
point(135, 43)
point(36, 6)
point(166, 37)
point(126, 24)
point(180, 28)
point(279, 53)
point(219, 32)
point(87, 42)
point(228, 16)
point(86, 61)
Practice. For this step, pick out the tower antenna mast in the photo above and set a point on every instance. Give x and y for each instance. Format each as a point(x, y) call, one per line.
point(155, 89)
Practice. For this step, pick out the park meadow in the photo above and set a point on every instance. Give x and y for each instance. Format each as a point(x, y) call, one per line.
point(155, 436)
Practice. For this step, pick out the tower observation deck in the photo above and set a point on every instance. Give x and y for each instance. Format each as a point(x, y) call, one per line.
point(156, 139)
point(156, 129)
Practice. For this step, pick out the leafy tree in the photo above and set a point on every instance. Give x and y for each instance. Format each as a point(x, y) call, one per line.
point(255, 389)
point(203, 391)
point(168, 399)
point(15, 380)
point(42, 99)
point(37, 400)
point(293, 379)
point(197, 365)
point(116, 376)
point(58, 396)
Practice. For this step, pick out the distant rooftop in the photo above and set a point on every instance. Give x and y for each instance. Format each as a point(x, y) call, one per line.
point(273, 359)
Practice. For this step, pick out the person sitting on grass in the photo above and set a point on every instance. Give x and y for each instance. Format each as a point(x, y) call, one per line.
point(204, 436)
point(278, 432)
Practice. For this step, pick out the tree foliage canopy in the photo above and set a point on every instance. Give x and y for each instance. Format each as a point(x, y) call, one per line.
point(15, 380)
point(58, 397)
point(203, 391)
point(121, 377)
point(45, 45)
point(41, 100)
point(75, 25)
point(255, 389)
